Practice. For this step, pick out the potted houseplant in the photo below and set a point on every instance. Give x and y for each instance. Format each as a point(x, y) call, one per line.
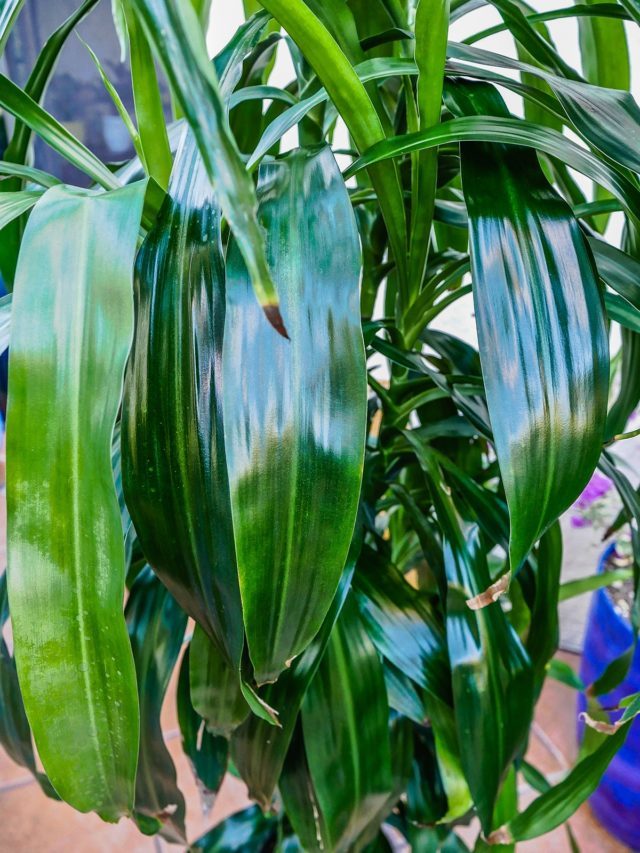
point(190, 417)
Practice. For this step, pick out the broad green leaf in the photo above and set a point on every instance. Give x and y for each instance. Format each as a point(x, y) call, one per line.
point(173, 448)
point(350, 760)
point(354, 105)
point(174, 31)
point(215, 687)
point(23, 107)
point(629, 390)
point(9, 11)
point(71, 331)
point(299, 797)
point(293, 442)
point(248, 831)
point(259, 749)
point(542, 336)
point(623, 312)
point(156, 627)
point(402, 623)
point(633, 8)
point(207, 753)
point(153, 140)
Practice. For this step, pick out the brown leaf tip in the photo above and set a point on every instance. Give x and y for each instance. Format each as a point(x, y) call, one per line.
point(501, 836)
point(491, 593)
point(273, 315)
point(600, 725)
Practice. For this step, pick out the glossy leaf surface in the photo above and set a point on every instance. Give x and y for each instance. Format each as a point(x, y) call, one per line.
point(71, 331)
point(248, 831)
point(542, 337)
point(174, 464)
point(259, 749)
point(349, 760)
point(295, 417)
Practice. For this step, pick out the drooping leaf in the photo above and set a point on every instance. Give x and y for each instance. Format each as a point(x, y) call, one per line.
point(207, 753)
point(14, 204)
point(259, 749)
point(216, 693)
point(174, 31)
point(71, 331)
point(15, 734)
point(350, 760)
point(23, 107)
point(295, 442)
point(156, 627)
point(542, 336)
point(173, 448)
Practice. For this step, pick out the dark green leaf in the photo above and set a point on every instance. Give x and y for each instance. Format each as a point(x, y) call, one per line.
point(156, 627)
point(206, 752)
point(248, 831)
point(349, 761)
point(173, 450)
point(542, 337)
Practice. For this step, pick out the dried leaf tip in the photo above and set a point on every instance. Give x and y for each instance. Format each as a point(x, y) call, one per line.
point(491, 593)
point(600, 725)
point(273, 315)
point(501, 836)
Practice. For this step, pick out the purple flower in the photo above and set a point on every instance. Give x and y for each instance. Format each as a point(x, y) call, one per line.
point(596, 488)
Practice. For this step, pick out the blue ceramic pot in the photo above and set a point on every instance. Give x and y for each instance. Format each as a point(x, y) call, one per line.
point(616, 802)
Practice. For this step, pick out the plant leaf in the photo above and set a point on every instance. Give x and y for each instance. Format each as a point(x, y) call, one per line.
point(173, 449)
point(71, 331)
point(206, 752)
point(542, 336)
point(174, 31)
point(243, 832)
point(156, 627)
point(349, 761)
point(259, 749)
point(9, 11)
point(292, 441)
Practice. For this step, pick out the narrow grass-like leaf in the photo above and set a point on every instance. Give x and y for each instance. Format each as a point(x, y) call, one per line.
point(15, 204)
point(557, 804)
point(71, 331)
point(354, 105)
point(350, 761)
point(9, 11)
point(294, 441)
point(153, 140)
point(174, 464)
point(175, 33)
point(156, 627)
point(542, 336)
point(19, 104)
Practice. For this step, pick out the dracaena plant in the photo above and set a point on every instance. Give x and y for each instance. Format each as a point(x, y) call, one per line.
point(371, 560)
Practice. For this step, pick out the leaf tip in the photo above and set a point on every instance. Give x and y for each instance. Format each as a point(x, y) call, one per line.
point(491, 594)
point(273, 315)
